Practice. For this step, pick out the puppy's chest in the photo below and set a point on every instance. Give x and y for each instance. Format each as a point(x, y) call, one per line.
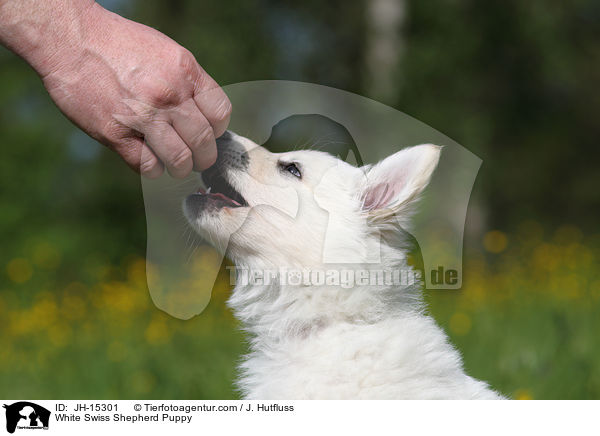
point(333, 364)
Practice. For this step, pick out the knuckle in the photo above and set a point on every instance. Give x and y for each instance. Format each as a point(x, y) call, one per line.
point(164, 96)
point(202, 138)
point(223, 111)
point(159, 93)
point(185, 58)
point(148, 165)
point(182, 159)
point(189, 70)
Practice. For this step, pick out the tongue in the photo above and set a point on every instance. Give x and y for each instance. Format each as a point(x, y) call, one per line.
point(223, 197)
point(218, 195)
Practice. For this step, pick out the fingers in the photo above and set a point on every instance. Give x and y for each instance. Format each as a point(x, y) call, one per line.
point(180, 137)
point(150, 166)
point(168, 146)
point(213, 103)
point(196, 132)
point(140, 157)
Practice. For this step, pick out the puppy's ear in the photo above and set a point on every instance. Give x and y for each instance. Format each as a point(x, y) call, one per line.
point(393, 185)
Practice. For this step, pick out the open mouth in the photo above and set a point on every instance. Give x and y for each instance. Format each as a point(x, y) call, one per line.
point(219, 192)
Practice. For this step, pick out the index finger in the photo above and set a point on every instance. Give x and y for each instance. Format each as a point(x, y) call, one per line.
point(213, 103)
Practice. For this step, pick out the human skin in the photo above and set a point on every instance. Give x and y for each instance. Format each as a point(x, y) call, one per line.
point(125, 84)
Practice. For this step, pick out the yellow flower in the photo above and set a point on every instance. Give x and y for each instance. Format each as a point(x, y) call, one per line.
point(157, 331)
point(19, 270)
point(136, 272)
point(45, 312)
point(495, 241)
point(546, 257)
point(567, 234)
point(523, 394)
point(118, 296)
point(73, 307)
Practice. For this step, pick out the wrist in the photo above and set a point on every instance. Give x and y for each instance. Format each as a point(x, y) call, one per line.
point(50, 33)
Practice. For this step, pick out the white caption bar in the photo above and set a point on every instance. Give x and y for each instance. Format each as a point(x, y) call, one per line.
point(298, 417)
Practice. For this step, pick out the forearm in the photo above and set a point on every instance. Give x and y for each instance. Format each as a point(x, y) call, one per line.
point(39, 30)
point(125, 84)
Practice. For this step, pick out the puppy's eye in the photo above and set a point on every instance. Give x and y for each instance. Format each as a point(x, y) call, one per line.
point(292, 169)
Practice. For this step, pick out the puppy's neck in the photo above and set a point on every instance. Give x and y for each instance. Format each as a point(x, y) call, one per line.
point(286, 306)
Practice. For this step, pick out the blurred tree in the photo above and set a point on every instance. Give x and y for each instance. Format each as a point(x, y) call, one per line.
point(516, 83)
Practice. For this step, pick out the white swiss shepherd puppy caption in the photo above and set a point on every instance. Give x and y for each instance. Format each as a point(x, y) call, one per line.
point(280, 212)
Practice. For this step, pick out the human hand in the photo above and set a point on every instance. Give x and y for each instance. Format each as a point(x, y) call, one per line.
point(137, 91)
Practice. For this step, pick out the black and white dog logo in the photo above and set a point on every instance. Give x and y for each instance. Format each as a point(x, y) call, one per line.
point(26, 415)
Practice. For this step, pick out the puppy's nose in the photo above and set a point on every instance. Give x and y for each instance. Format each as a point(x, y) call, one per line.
point(230, 153)
point(224, 138)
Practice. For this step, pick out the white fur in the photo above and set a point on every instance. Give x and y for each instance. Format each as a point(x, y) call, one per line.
point(327, 342)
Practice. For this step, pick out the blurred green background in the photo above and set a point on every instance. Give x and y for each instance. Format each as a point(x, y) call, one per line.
point(517, 83)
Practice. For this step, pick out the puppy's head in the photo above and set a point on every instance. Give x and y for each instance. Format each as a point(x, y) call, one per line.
point(302, 208)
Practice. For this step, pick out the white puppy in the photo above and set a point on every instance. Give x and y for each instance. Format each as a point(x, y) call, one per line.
point(325, 339)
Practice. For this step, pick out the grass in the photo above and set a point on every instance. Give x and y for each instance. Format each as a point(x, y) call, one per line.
point(526, 321)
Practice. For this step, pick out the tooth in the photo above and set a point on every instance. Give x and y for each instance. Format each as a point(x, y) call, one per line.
point(208, 190)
